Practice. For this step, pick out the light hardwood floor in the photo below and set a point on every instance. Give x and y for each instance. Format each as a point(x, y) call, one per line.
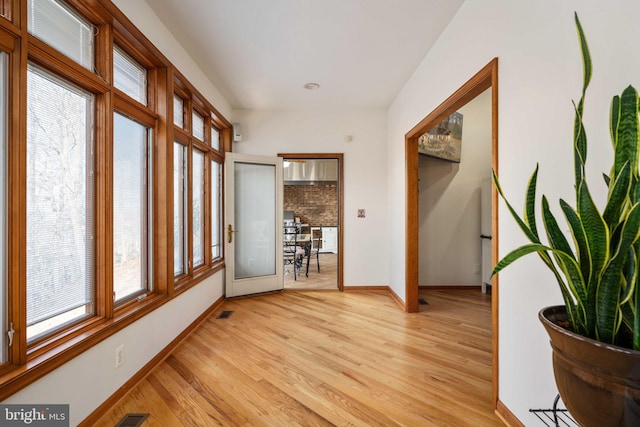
point(325, 358)
point(327, 278)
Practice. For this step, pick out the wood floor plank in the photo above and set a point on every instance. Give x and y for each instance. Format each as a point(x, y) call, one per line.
point(321, 358)
point(326, 278)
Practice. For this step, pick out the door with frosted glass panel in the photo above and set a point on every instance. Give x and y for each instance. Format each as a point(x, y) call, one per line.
point(253, 229)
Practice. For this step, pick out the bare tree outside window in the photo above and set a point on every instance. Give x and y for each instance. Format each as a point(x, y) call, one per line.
point(59, 203)
point(216, 209)
point(130, 211)
point(180, 256)
point(3, 202)
point(198, 207)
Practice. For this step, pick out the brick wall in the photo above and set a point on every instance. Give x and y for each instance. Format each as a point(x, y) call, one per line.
point(314, 204)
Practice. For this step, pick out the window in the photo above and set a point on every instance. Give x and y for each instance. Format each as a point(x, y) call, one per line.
point(180, 226)
point(130, 207)
point(53, 22)
point(59, 203)
point(198, 207)
point(86, 185)
point(198, 126)
point(216, 209)
point(178, 111)
point(3, 202)
point(129, 76)
point(215, 138)
point(197, 186)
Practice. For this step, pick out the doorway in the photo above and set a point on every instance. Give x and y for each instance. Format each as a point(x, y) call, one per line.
point(313, 201)
point(487, 78)
point(454, 167)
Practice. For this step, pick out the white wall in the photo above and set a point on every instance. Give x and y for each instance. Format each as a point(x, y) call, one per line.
point(150, 25)
point(540, 72)
point(449, 203)
point(365, 186)
point(89, 379)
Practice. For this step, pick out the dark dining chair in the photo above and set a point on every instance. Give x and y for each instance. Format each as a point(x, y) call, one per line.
point(316, 244)
point(293, 254)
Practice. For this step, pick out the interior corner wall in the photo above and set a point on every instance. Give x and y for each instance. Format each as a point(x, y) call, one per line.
point(449, 203)
point(365, 169)
point(86, 381)
point(540, 73)
point(145, 19)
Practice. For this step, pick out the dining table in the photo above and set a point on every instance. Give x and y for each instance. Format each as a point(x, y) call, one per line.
point(303, 240)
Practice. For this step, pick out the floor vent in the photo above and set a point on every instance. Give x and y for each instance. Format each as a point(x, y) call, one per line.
point(132, 420)
point(422, 301)
point(225, 315)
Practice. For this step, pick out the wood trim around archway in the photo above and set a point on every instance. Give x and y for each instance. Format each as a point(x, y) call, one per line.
point(486, 78)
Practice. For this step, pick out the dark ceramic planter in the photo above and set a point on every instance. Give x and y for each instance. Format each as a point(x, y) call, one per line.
point(599, 383)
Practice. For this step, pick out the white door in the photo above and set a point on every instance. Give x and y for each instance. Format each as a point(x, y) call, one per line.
point(253, 231)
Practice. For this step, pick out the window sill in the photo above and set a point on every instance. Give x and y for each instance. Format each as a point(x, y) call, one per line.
point(50, 354)
point(56, 351)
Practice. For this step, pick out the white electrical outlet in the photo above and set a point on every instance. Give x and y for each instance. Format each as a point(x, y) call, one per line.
point(119, 355)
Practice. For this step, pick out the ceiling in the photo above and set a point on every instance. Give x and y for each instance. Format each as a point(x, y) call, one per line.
point(259, 53)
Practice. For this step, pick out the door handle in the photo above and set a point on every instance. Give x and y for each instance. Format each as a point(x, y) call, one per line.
point(484, 236)
point(230, 232)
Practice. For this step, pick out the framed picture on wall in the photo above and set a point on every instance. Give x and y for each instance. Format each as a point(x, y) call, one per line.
point(443, 141)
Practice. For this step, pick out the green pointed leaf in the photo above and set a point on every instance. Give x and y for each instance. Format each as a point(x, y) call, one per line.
point(579, 134)
point(521, 223)
point(614, 120)
point(579, 145)
point(629, 274)
point(634, 190)
point(586, 56)
point(596, 231)
point(575, 282)
point(530, 211)
point(597, 234)
point(630, 232)
point(607, 304)
point(561, 246)
point(579, 237)
point(626, 135)
point(567, 264)
point(516, 254)
point(556, 238)
point(617, 195)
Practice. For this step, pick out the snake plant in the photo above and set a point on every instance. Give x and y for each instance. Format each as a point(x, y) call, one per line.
point(598, 273)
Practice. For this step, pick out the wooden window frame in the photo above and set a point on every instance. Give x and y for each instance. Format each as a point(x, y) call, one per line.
point(183, 278)
point(194, 101)
point(149, 223)
point(26, 364)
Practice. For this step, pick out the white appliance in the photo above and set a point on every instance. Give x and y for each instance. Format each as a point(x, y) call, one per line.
point(329, 239)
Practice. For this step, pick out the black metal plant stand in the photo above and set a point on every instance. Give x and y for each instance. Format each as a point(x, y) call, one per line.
point(558, 417)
